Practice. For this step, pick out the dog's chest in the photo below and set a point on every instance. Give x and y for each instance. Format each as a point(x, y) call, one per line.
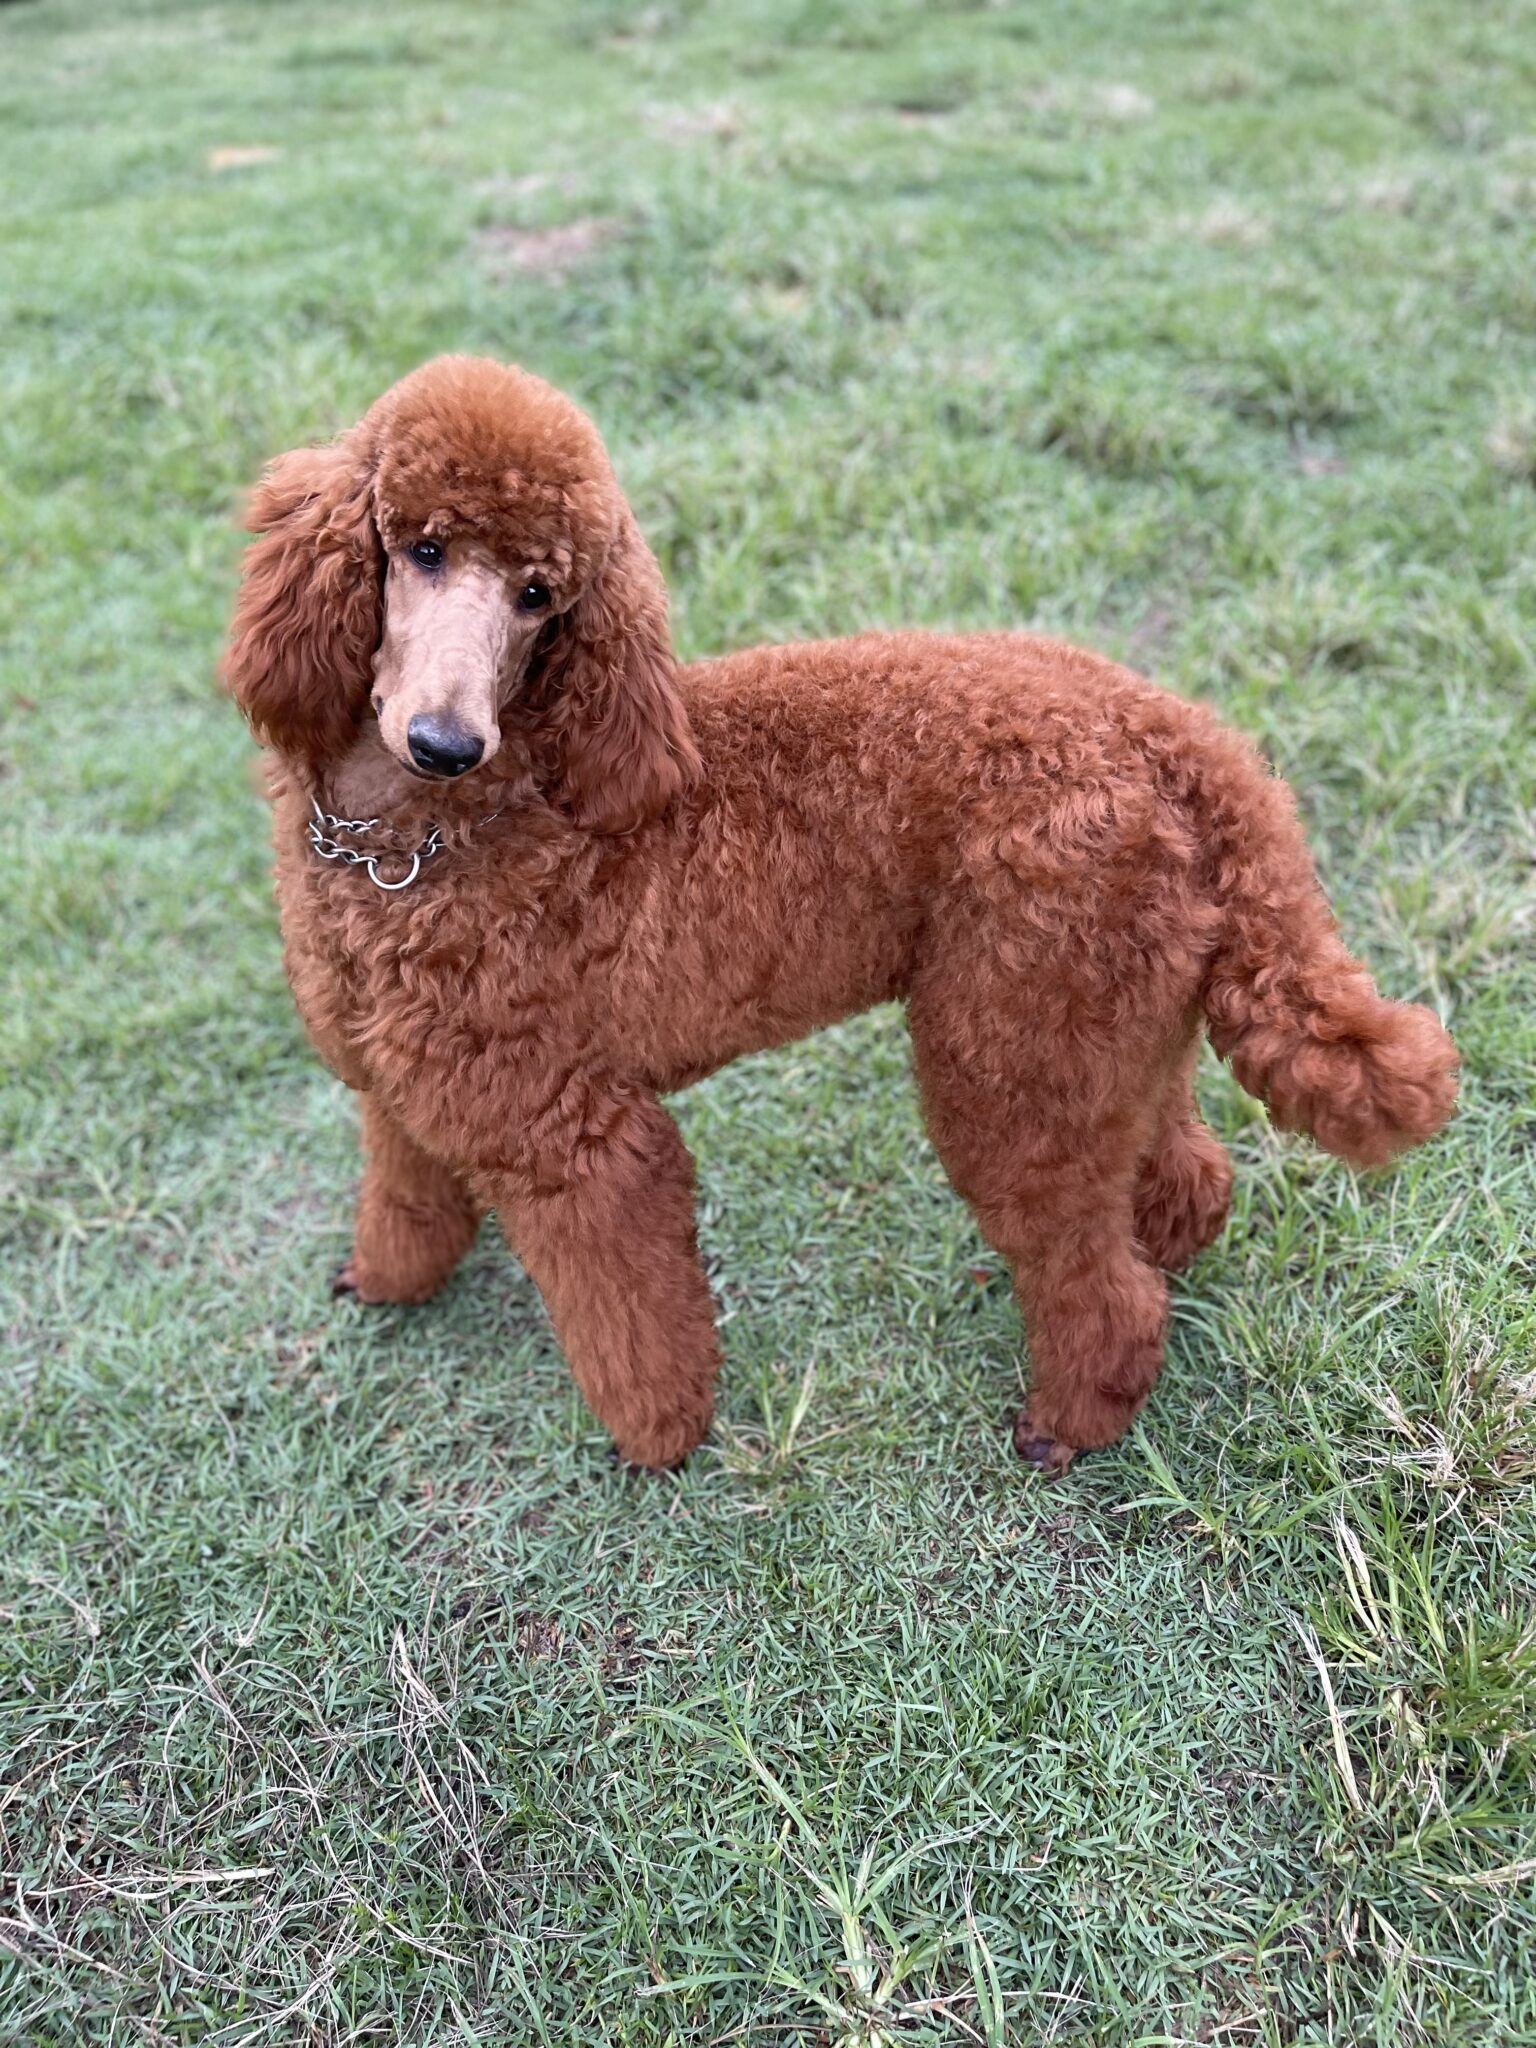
point(475, 948)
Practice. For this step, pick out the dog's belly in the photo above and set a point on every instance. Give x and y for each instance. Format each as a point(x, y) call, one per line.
point(726, 987)
point(776, 1017)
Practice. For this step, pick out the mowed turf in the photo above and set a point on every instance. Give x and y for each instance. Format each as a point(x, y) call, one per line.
point(347, 1692)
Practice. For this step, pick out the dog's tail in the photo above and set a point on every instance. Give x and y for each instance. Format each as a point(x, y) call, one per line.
point(1299, 1020)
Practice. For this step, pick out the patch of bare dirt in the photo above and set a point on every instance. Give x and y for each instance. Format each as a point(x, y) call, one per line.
point(549, 253)
point(1122, 103)
point(720, 122)
point(618, 1651)
point(1385, 192)
point(502, 188)
point(240, 156)
point(1149, 636)
point(1226, 225)
point(1512, 443)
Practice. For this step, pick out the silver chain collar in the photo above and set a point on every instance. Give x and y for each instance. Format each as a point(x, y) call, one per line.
point(323, 827)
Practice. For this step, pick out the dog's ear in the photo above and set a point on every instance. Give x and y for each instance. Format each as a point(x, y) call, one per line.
point(310, 611)
point(624, 745)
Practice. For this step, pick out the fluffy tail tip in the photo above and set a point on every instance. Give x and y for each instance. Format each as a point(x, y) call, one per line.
point(1371, 1087)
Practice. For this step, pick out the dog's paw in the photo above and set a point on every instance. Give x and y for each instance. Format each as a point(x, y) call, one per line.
point(633, 1468)
point(348, 1283)
point(1043, 1452)
point(345, 1285)
point(663, 1447)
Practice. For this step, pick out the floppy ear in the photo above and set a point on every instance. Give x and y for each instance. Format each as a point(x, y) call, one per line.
point(310, 611)
point(625, 746)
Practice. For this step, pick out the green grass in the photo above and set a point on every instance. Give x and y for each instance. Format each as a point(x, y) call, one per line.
point(347, 1694)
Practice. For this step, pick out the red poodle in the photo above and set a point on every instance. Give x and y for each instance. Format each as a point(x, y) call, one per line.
point(534, 876)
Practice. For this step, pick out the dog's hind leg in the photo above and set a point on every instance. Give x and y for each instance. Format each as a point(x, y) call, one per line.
point(415, 1218)
point(1185, 1185)
point(1046, 1151)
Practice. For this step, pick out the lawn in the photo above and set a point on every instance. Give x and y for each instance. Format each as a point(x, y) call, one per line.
point(347, 1692)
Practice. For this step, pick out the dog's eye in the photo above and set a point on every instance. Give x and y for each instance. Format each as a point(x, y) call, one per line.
point(426, 554)
point(532, 597)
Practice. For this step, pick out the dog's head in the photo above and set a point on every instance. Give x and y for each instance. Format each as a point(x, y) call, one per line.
point(459, 565)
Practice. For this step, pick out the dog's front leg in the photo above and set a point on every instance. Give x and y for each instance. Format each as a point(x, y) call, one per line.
point(603, 1222)
point(415, 1218)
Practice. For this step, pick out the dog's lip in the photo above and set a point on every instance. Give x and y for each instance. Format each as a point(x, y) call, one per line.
point(421, 774)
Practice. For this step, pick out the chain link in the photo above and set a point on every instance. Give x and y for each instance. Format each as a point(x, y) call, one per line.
point(323, 827)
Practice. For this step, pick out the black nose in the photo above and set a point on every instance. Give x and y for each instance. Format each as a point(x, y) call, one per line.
point(441, 748)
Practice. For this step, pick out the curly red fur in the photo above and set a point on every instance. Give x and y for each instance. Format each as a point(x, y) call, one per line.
point(624, 743)
point(307, 619)
point(1063, 871)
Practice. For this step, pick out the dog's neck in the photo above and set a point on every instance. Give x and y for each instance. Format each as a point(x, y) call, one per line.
point(368, 782)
